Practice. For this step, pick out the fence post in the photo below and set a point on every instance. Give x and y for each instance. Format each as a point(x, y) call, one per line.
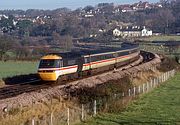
point(129, 92)
point(95, 112)
point(123, 94)
point(33, 122)
point(134, 91)
point(115, 95)
point(154, 84)
point(68, 114)
point(143, 88)
point(82, 113)
point(51, 119)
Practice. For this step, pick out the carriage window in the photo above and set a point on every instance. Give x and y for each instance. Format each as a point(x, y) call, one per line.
point(123, 53)
point(87, 59)
point(109, 56)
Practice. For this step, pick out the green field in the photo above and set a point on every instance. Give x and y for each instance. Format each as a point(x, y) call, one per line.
point(162, 38)
point(159, 107)
point(12, 68)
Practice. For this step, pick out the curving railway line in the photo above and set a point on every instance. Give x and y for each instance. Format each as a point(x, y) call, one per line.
point(26, 87)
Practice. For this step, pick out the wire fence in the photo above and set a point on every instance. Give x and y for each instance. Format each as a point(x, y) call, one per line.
point(68, 113)
point(79, 113)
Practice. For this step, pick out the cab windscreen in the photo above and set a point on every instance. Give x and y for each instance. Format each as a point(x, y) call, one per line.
point(49, 63)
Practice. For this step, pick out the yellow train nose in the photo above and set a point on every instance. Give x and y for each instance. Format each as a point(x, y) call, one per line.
point(47, 76)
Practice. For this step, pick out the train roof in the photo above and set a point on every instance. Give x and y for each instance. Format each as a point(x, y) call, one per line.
point(80, 53)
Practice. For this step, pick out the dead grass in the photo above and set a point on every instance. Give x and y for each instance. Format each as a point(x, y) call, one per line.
point(144, 77)
point(2, 83)
point(19, 116)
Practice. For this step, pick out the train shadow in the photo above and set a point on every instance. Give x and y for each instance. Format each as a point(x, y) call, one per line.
point(21, 79)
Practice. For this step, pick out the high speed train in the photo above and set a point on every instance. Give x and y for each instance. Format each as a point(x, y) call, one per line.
point(62, 66)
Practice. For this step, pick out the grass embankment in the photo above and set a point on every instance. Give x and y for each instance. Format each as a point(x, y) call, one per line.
point(162, 38)
point(15, 68)
point(161, 106)
point(12, 68)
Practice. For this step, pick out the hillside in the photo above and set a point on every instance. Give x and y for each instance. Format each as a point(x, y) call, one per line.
point(161, 106)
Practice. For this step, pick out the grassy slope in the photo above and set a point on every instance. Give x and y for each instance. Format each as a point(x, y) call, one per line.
point(161, 106)
point(11, 68)
point(162, 38)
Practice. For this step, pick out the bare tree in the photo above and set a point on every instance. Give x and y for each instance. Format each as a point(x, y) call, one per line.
point(165, 2)
point(56, 38)
point(64, 42)
point(163, 19)
point(5, 45)
point(68, 42)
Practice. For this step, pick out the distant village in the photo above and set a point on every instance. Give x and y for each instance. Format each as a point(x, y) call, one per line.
point(89, 12)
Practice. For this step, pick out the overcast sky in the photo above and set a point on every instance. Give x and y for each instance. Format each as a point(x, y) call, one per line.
point(53, 4)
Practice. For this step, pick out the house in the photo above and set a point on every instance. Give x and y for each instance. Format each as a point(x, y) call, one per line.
point(146, 32)
point(141, 5)
point(134, 31)
point(127, 9)
point(126, 32)
point(116, 32)
point(88, 15)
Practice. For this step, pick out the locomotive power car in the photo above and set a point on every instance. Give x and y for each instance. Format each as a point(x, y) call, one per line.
point(55, 66)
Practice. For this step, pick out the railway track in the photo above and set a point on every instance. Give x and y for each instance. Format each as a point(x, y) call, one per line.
point(26, 87)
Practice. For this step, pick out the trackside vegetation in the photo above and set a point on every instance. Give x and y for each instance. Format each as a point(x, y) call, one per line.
point(14, 68)
point(160, 106)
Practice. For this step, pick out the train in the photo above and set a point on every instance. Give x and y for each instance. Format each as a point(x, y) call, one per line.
point(69, 65)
